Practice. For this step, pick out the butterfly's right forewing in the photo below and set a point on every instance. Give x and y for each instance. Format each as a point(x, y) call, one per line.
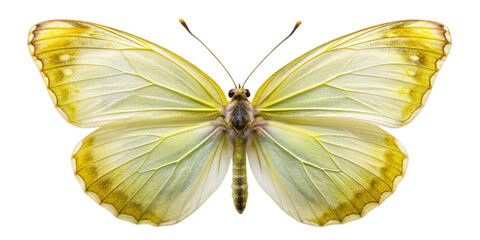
point(98, 75)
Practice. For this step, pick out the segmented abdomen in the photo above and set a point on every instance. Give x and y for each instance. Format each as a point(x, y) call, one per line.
point(239, 175)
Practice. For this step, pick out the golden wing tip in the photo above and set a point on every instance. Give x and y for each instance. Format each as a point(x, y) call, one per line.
point(39, 64)
point(438, 65)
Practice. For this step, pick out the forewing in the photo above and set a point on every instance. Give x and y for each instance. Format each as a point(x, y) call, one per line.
point(381, 74)
point(333, 172)
point(149, 172)
point(97, 75)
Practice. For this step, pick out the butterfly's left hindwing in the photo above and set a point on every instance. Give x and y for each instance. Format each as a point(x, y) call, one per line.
point(98, 75)
point(152, 172)
point(331, 172)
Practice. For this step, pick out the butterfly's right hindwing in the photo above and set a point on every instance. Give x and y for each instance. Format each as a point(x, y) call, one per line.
point(151, 172)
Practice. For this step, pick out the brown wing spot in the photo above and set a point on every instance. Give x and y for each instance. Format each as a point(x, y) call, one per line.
point(394, 158)
point(389, 173)
point(83, 159)
point(117, 198)
point(389, 141)
point(415, 95)
point(362, 197)
point(150, 215)
point(327, 216)
point(67, 99)
point(58, 74)
point(423, 76)
point(87, 142)
point(378, 186)
point(134, 209)
point(89, 174)
point(102, 186)
point(344, 209)
point(407, 111)
point(393, 155)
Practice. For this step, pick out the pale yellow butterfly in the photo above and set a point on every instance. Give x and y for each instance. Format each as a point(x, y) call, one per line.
point(167, 132)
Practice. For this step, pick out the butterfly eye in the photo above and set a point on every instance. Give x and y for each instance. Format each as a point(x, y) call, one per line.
point(231, 93)
point(247, 92)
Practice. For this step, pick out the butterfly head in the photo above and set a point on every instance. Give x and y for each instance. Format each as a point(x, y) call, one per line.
point(238, 93)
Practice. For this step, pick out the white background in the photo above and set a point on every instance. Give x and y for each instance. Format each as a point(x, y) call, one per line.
point(40, 198)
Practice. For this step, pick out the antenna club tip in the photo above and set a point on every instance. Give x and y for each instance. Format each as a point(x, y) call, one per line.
point(184, 24)
point(298, 23)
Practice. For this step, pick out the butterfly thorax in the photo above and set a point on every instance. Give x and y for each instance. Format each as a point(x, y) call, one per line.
point(239, 117)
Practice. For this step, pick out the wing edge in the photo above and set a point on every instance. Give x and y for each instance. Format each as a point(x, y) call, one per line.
point(438, 65)
point(40, 65)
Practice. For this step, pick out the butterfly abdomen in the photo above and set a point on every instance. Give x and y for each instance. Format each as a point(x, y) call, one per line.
point(239, 115)
point(239, 175)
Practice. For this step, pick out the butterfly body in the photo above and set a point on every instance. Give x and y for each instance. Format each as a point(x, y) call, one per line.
point(239, 122)
point(166, 131)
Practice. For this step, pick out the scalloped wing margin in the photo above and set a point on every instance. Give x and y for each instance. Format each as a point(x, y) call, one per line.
point(98, 75)
point(152, 173)
point(333, 172)
point(381, 74)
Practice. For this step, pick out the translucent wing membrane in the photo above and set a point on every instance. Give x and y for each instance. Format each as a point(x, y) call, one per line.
point(333, 172)
point(147, 172)
point(381, 74)
point(97, 75)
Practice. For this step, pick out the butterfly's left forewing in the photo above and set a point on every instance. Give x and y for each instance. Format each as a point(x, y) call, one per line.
point(152, 172)
point(381, 74)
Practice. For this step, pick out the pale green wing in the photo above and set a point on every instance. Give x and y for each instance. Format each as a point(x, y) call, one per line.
point(333, 172)
point(149, 172)
point(381, 74)
point(97, 75)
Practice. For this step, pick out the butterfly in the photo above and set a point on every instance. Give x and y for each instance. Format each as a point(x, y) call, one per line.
point(166, 131)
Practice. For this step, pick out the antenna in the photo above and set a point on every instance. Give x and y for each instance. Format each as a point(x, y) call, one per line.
point(294, 28)
point(184, 24)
